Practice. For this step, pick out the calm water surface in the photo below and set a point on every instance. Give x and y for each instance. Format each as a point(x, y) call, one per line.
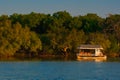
point(59, 70)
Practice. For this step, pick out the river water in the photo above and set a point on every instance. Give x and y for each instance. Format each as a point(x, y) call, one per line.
point(59, 70)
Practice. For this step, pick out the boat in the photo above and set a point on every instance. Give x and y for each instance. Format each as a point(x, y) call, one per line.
point(91, 52)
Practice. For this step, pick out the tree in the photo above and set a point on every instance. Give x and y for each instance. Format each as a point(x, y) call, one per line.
point(76, 23)
point(13, 38)
point(75, 38)
point(63, 18)
point(8, 43)
point(92, 23)
point(112, 26)
point(100, 39)
point(112, 30)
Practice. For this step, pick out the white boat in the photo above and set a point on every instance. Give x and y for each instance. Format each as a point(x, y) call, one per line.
point(90, 52)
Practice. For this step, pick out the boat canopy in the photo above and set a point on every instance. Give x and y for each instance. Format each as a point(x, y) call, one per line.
point(90, 47)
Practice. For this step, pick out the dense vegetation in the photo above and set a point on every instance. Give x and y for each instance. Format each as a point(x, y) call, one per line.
point(38, 34)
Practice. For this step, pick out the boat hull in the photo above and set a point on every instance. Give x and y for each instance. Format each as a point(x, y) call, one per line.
point(96, 58)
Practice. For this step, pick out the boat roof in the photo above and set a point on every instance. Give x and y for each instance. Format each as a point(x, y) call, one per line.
point(90, 47)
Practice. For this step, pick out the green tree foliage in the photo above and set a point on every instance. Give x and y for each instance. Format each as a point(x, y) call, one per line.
point(32, 20)
point(76, 23)
point(112, 30)
point(99, 38)
point(91, 23)
point(59, 33)
point(75, 38)
point(63, 16)
point(13, 38)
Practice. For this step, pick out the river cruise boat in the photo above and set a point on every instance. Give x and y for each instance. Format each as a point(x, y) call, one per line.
point(91, 52)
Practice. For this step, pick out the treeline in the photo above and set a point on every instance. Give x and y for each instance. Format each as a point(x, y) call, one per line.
point(38, 34)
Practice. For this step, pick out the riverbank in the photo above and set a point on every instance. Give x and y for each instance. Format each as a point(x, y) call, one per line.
point(51, 58)
point(39, 58)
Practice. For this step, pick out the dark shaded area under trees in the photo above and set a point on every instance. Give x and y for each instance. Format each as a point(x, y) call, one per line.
point(59, 34)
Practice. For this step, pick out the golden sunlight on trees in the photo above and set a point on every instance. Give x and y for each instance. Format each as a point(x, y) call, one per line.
point(13, 38)
point(57, 34)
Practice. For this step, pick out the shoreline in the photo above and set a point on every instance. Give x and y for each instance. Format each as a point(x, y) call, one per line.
point(50, 58)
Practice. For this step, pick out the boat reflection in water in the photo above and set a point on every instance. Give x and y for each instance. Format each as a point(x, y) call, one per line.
point(91, 52)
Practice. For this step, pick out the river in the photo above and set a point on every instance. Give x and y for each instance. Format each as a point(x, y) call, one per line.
point(59, 70)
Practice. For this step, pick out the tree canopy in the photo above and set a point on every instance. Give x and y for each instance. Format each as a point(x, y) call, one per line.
point(57, 34)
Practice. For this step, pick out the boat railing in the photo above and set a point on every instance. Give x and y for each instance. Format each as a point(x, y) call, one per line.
point(87, 54)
